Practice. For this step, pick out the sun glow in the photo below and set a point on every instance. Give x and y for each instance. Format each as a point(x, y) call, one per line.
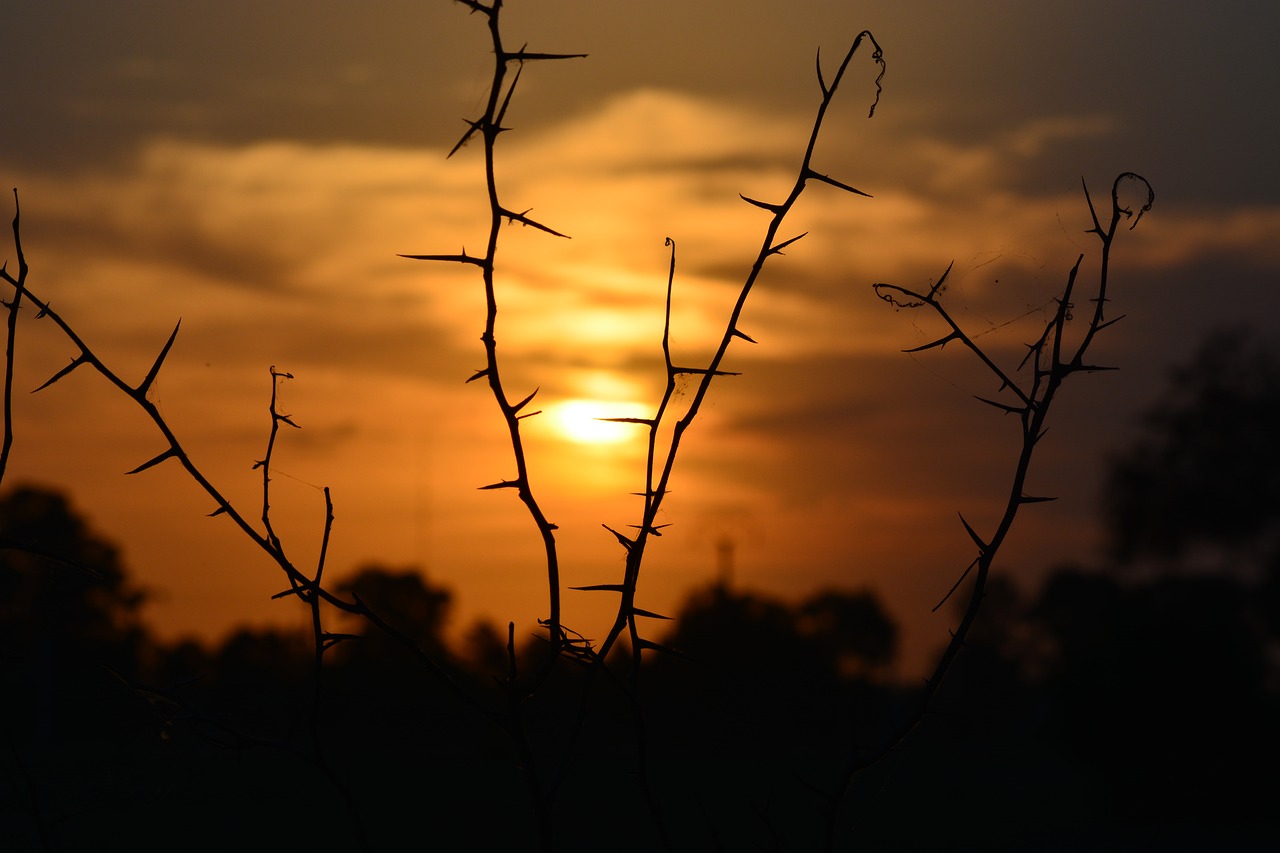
point(581, 421)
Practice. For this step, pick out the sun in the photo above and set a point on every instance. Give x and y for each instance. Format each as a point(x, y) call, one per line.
point(579, 421)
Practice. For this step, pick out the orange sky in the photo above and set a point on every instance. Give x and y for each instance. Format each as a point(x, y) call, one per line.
point(255, 174)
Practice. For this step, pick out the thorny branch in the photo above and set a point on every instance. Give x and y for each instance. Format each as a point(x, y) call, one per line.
point(1052, 360)
point(19, 284)
point(309, 589)
point(1029, 397)
point(660, 460)
point(489, 126)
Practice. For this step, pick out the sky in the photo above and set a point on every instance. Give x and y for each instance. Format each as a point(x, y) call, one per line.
point(255, 169)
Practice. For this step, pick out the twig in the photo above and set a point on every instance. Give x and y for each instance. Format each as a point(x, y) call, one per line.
point(19, 288)
point(1049, 369)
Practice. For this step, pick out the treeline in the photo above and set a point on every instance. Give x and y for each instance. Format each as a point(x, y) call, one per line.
point(1129, 706)
point(1097, 709)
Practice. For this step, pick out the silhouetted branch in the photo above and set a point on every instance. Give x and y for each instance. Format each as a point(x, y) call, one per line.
point(1048, 371)
point(660, 462)
point(19, 284)
point(546, 760)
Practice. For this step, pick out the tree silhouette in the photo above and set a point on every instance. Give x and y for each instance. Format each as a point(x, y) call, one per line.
point(63, 592)
point(758, 668)
point(853, 631)
point(1204, 470)
point(404, 598)
point(70, 643)
point(1164, 688)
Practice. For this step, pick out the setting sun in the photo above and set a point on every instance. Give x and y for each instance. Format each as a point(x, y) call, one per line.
point(582, 421)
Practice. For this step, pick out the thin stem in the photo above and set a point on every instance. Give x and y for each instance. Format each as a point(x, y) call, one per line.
point(19, 286)
point(1047, 375)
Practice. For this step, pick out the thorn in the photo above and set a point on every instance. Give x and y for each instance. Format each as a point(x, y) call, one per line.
point(940, 342)
point(506, 101)
point(1093, 213)
point(76, 362)
point(653, 530)
point(518, 406)
point(155, 368)
point(463, 258)
point(625, 542)
point(810, 173)
point(745, 337)
point(331, 640)
point(525, 220)
point(1014, 410)
point(473, 127)
point(956, 584)
point(601, 587)
point(777, 250)
point(646, 421)
point(982, 546)
point(638, 612)
point(763, 205)
point(658, 647)
point(938, 287)
point(523, 56)
point(703, 371)
point(501, 484)
point(477, 375)
point(153, 461)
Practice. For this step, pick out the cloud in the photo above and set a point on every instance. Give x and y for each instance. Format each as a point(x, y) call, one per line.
point(282, 252)
point(286, 253)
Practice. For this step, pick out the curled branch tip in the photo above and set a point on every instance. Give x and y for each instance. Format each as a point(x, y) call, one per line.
point(1128, 211)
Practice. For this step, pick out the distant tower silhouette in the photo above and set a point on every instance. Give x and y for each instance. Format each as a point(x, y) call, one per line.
point(724, 562)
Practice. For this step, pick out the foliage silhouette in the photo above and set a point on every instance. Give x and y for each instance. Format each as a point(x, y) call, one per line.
point(1199, 473)
point(1096, 712)
point(62, 588)
point(69, 639)
point(404, 597)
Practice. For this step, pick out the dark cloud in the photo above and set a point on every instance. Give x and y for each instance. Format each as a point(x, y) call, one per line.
point(91, 80)
point(1185, 84)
